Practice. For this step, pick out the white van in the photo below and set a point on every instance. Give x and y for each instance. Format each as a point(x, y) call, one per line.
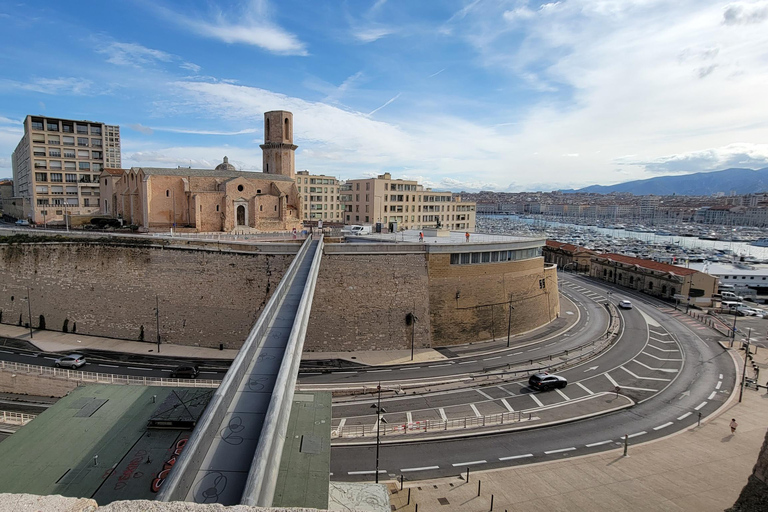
point(731, 296)
point(361, 230)
point(731, 304)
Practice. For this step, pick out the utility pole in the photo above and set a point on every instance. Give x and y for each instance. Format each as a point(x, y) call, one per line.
point(29, 309)
point(157, 320)
point(509, 323)
point(744, 371)
point(413, 332)
point(379, 420)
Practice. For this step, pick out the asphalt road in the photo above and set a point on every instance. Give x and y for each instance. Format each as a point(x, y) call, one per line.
point(696, 377)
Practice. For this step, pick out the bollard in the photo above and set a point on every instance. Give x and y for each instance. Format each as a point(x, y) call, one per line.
point(491, 502)
point(401, 482)
point(467, 475)
point(626, 443)
point(409, 496)
point(417, 508)
point(95, 460)
point(478, 487)
point(699, 419)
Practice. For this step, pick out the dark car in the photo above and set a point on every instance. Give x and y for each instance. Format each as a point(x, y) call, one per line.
point(187, 371)
point(546, 381)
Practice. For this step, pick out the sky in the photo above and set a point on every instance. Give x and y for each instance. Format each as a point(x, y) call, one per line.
point(459, 94)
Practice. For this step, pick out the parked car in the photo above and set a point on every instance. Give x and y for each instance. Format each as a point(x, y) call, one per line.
point(185, 371)
point(625, 304)
point(22, 222)
point(744, 311)
point(70, 361)
point(546, 381)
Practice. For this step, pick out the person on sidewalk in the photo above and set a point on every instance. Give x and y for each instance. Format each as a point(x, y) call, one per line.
point(733, 425)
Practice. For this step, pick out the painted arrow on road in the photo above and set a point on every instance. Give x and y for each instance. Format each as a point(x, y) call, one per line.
point(591, 368)
point(684, 394)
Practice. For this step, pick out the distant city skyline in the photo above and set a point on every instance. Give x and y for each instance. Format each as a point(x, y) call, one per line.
point(458, 95)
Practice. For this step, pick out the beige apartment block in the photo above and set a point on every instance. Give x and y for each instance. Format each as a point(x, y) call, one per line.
point(320, 196)
point(404, 204)
point(56, 167)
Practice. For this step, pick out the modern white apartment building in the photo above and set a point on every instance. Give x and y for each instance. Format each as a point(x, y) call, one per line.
point(319, 197)
point(57, 163)
point(404, 203)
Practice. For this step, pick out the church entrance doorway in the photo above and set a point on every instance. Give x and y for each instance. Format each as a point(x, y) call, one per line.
point(241, 215)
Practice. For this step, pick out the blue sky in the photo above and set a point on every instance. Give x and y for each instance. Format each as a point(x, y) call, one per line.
point(460, 94)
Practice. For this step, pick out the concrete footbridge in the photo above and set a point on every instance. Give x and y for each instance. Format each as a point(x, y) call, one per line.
point(233, 455)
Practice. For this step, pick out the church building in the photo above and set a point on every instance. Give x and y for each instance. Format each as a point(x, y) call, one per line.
point(222, 199)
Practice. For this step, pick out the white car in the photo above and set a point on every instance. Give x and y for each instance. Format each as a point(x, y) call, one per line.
point(625, 304)
point(22, 222)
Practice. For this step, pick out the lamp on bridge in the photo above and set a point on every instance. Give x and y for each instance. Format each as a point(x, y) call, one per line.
point(379, 421)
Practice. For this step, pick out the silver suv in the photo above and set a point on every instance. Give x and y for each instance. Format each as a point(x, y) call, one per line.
point(70, 361)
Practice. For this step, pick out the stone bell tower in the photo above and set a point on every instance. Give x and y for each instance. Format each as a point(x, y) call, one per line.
point(278, 148)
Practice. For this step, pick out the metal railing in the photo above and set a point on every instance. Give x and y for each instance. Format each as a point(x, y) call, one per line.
point(101, 378)
point(16, 418)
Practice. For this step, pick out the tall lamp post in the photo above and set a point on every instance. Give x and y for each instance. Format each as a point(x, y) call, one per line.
point(509, 323)
point(379, 421)
point(29, 310)
point(746, 356)
point(157, 320)
point(411, 319)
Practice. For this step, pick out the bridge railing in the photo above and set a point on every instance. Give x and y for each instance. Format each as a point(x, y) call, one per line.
point(16, 418)
point(184, 472)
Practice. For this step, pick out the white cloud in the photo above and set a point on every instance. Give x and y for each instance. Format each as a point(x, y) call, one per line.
point(371, 34)
point(146, 130)
point(250, 25)
point(63, 85)
point(190, 66)
point(131, 54)
point(732, 155)
point(743, 13)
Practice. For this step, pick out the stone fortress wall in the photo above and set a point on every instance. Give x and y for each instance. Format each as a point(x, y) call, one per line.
point(207, 297)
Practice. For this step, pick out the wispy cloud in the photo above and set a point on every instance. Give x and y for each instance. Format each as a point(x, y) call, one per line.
point(732, 155)
point(437, 73)
point(205, 132)
point(64, 85)
point(132, 54)
point(743, 13)
point(371, 34)
point(250, 25)
point(385, 104)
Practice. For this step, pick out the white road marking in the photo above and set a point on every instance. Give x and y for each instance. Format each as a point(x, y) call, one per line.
point(477, 413)
point(214, 373)
point(318, 373)
point(718, 384)
point(506, 391)
point(663, 349)
point(442, 414)
point(377, 371)
point(659, 358)
point(684, 416)
point(630, 436)
point(467, 362)
point(365, 472)
point(6, 352)
point(137, 368)
point(342, 421)
point(550, 452)
point(533, 397)
point(712, 395)
point(349, 372)
point(654, 369)
point(513, 457)
point(598, 444)
point(721, 376)
point(661, 341)
point(162, 370)
point(534, 349)
point(664, 425)
point(644, 378)
point(115, 366)
point(640, 389)
point(582, 386)
point(470, 463)
point(439, 365)
point(486, 395)
point(611, 379)
point(518, 353)
point(491, 358)
point(48, 358)
point(702, 404)
point(425, 468)
point(506, 404)
point(409, 416)
point(565, 397)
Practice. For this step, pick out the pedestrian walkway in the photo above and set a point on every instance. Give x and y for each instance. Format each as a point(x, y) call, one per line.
point(700, 469)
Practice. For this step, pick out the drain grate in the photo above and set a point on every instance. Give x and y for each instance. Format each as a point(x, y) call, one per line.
point(443, 501)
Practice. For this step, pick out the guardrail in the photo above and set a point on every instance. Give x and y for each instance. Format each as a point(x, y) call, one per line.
point(102, 378)
point(16, 418)
point(182, 477)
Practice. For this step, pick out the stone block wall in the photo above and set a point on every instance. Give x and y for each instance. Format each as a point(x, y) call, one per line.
point(205, 298)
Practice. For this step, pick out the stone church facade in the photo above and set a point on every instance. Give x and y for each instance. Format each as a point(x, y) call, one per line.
point(222, 199)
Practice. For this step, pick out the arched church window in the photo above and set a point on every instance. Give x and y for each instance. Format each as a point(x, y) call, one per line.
point(266, 134)
point(261, 207)
point(287, 129)
point(217, 207)
point(167, 193)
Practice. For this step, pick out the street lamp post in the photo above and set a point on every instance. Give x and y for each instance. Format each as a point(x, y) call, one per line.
point(744, 371)
point(413, 332)
point(157, 320)
point(379, 421)
point(29, 310)
point(509, 323)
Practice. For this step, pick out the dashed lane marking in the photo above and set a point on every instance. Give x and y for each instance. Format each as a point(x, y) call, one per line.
point(630, 436)
point(469, 463)
point(550, 452)
point(712, 395)
point(467, 362)
point(533, 397)
point(582, 386)
point(702, 404)
point(342, 422)
point(137, 368)
point(115, 366)
point(721, 376)
point(365, 472)
point(644, 378)
point(506, 404)
point(684, 416)
point(718, 384)
point(665, 370)
point(377, 371)
point(664, 349)
point(409, 416)
point(425, 468)
point(491, 358)
point(591, 445)
point(513, 457)
point(664, 425)
point(533, 349)
point(442, 414)
point(565, 397)
point(662, 341)
point(659, 358)
point(439, 365)
point(477, 413)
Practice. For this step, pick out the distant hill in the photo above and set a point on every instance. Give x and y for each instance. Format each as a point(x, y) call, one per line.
point(741, 181)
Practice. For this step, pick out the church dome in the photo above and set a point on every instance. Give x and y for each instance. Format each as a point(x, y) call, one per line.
point(225, 166)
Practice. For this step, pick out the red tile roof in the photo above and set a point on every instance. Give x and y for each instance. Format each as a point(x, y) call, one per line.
point(113, 171)
point(568, 247)
point(649, 264)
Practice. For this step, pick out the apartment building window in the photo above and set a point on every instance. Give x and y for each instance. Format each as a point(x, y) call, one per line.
point(37, 125)
point(82, 129)
point(54, 165)
point(40, 164)
point(96, 167)
point(71, 191)
point(70, 165)
point(95, 130)
point(41, 176)
point(84, 165)
point(96, 143)
point(53, 141)
point(68, 141)
point(42, 202)
point(52, 126)
point(69, 153)
point(82, 141)
point(56, 177)
point(67, 127)
point(70, 178)
point(38, 151)
point(367, 186)
point(357, 187)
point(41, 189)
point(55, 153)
point(83, 153)
point(367, 198)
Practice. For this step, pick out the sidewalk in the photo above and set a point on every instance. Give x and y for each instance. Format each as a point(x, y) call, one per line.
point(698, 470)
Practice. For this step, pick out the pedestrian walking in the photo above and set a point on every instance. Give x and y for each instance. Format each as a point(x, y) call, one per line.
point(421, 236)
point(467, 235)
point(733, 425)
